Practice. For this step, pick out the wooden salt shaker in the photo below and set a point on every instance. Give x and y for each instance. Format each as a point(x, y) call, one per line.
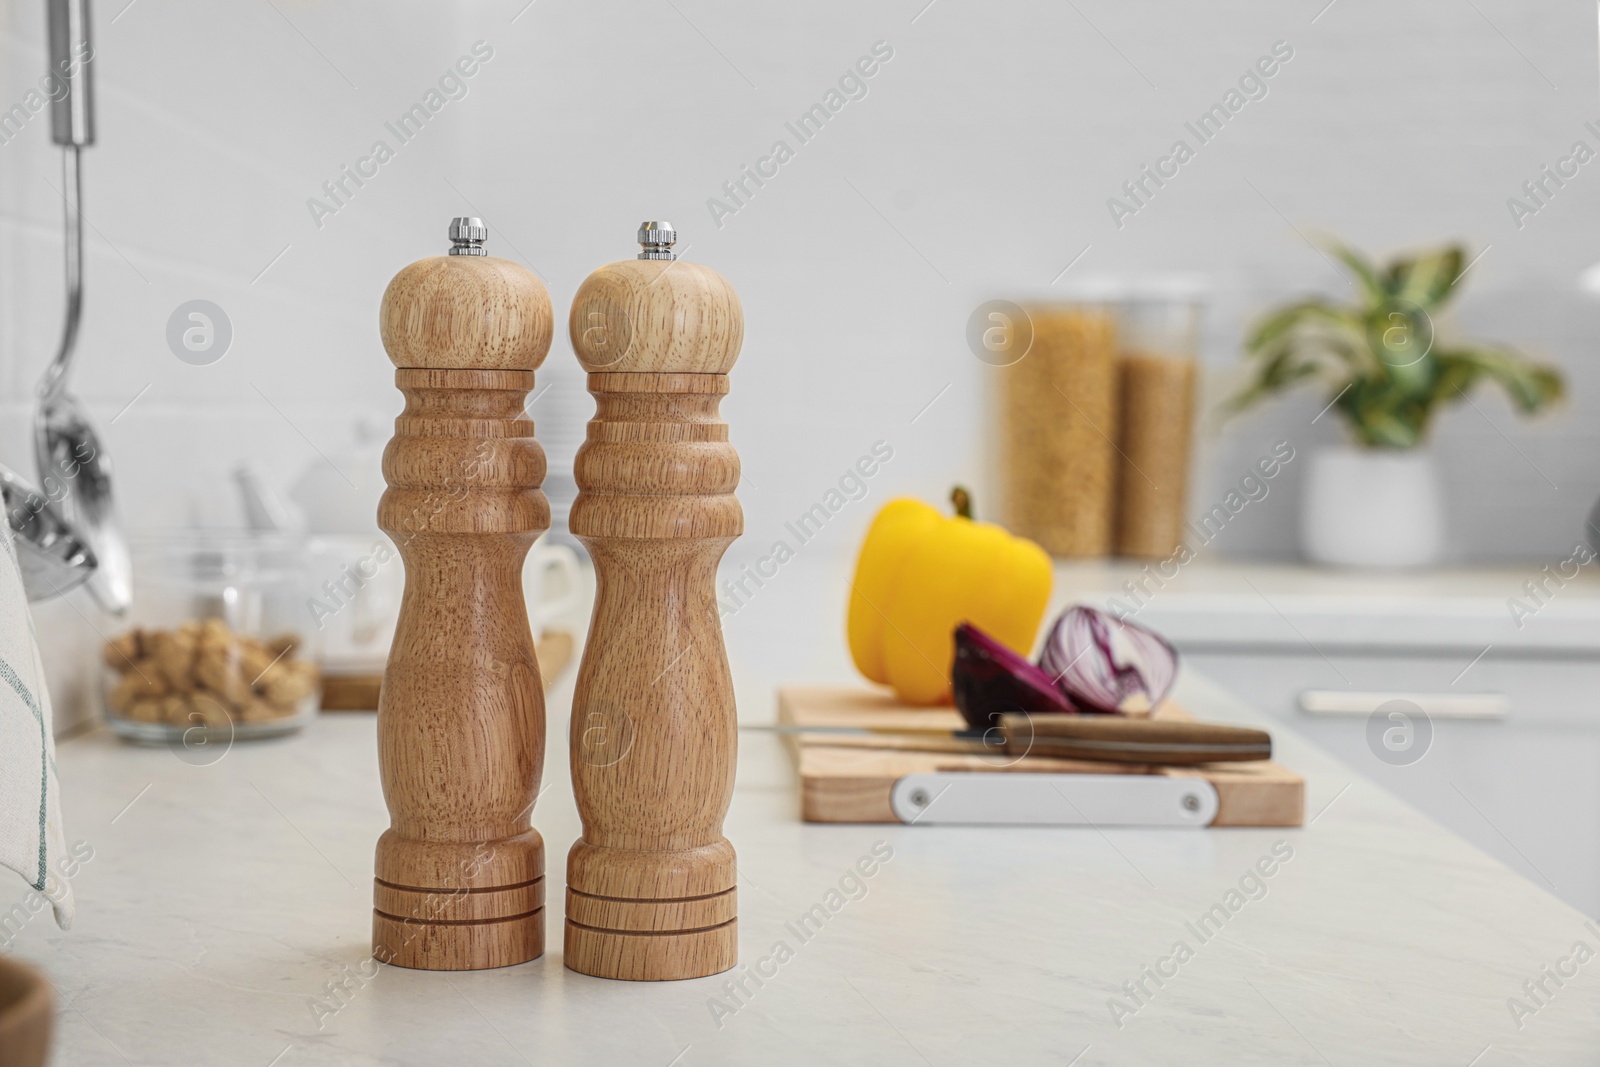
point(650, 885)
point(460, 871)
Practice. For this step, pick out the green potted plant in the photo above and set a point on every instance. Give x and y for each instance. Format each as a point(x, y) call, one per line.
point(1376, 501)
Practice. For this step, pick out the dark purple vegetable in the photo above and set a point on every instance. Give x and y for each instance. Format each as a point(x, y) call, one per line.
point(1100, 661)
point(989, 679)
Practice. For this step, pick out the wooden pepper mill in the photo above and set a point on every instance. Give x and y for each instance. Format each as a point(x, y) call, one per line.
point(650, 885)
point(460, 871)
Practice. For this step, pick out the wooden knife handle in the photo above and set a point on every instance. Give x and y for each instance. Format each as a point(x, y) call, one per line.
point(1118, 740)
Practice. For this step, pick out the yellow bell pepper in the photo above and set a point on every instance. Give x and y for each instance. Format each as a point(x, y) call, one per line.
point(919, 574)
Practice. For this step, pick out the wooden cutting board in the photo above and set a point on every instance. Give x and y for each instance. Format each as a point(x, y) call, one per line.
point(848, 779)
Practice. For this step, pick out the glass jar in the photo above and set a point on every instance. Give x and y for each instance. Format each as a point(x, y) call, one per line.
point(1058, 423)
point(218, 644)
point(1158, 326)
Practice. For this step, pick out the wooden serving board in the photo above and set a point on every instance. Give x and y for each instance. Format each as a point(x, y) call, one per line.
point(848, 779)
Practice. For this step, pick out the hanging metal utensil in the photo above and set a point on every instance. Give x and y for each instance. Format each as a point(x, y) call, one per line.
point(53, 558)
point(68, 452)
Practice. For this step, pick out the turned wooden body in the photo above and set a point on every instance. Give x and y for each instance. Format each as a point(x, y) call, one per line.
point(460, 871)
point(651, 885)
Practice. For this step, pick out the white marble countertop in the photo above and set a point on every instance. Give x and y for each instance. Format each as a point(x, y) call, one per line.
point(222, 900)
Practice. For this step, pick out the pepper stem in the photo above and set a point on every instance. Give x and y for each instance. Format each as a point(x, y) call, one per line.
point(962, 501)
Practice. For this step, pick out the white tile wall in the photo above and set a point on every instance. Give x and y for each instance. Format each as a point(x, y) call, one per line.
point(978, 164)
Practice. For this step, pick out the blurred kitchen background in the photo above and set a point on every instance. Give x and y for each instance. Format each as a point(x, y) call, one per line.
point(978, 164)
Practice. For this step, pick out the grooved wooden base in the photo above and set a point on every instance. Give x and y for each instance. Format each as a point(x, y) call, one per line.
point(623, 914)
point(651, 916)
point(485, 908)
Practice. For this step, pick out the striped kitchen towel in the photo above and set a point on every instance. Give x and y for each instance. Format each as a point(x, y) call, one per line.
point(31, 838)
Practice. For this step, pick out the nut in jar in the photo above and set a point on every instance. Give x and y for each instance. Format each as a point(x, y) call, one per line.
point(201, 673)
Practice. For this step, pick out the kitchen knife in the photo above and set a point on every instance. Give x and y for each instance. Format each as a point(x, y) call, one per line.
point(1101, 738)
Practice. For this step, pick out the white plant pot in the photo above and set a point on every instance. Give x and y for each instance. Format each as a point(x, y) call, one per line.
point(1366, 507)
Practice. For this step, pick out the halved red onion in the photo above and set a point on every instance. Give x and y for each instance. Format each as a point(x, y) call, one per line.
point(1100, 661)
point(989, 679)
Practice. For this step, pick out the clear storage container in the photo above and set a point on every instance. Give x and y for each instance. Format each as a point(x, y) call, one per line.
point(219, 643)
point(1158, 326)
